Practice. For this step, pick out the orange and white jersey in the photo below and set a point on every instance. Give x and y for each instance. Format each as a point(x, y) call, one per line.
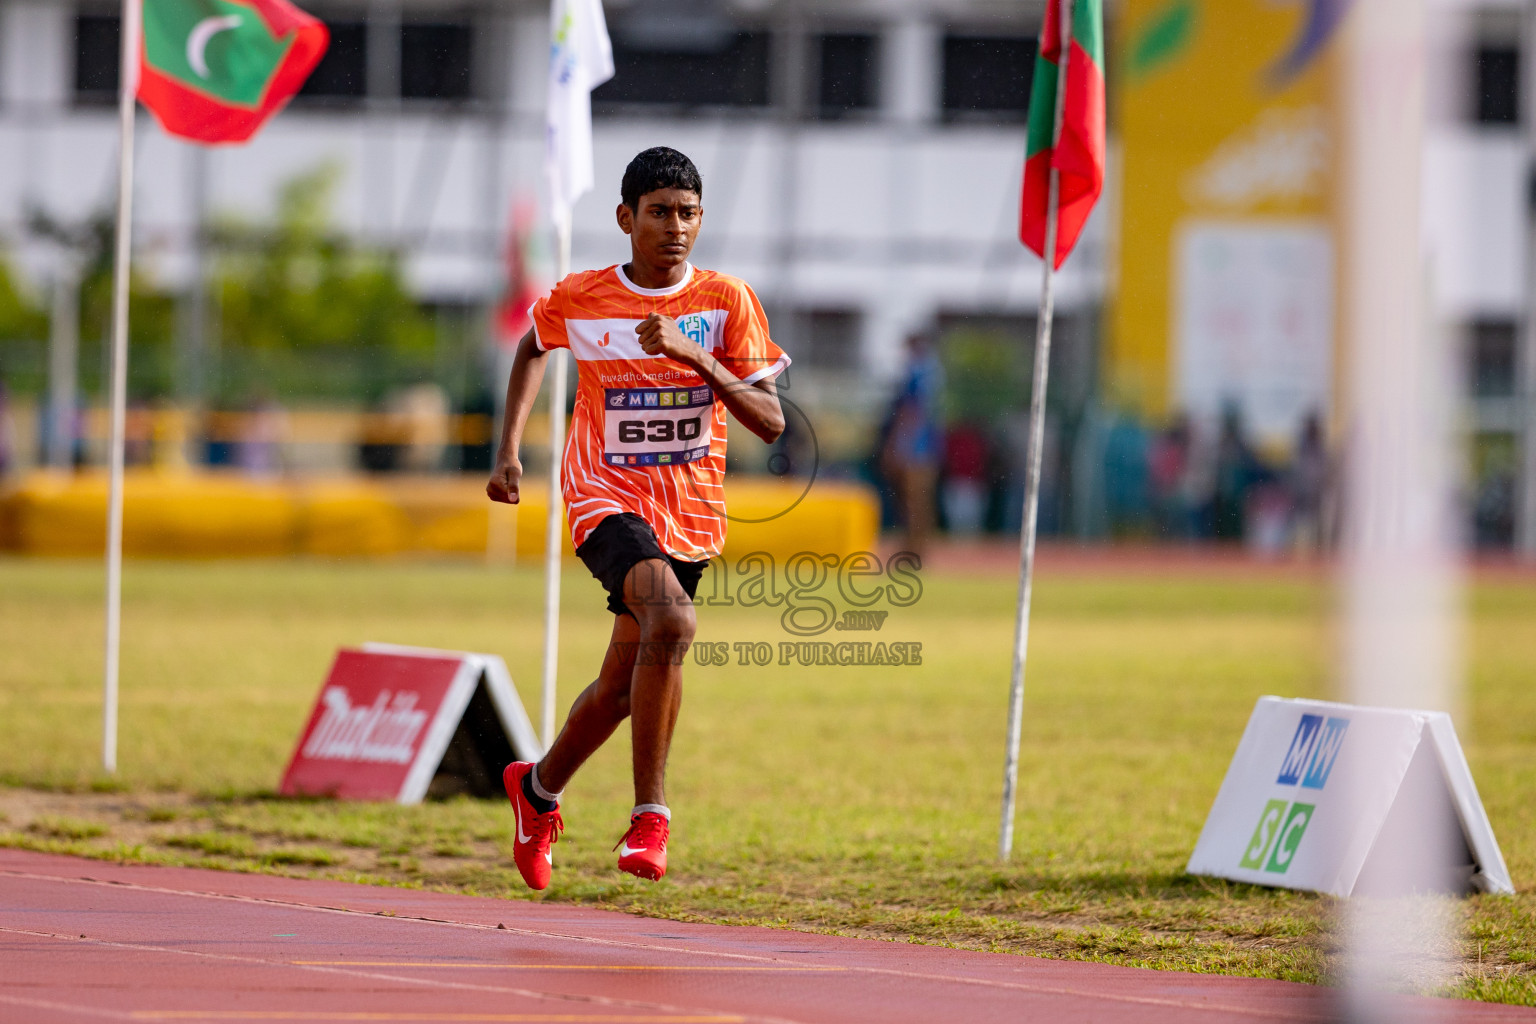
point(648, 434)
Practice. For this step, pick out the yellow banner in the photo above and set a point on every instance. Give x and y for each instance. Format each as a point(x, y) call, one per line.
point(1225, 283)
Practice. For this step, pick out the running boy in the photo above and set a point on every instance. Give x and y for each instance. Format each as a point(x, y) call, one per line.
point(662, 350)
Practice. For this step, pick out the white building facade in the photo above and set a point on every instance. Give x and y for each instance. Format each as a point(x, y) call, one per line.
point(851, 166)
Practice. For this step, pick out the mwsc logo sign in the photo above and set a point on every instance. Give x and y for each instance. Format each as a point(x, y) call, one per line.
point(1308, 762)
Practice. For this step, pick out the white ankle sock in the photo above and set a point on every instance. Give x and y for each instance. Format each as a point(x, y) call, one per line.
point(660, 809)
point(538, 790)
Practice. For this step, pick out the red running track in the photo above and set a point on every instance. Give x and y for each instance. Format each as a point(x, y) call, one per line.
point(89, 941)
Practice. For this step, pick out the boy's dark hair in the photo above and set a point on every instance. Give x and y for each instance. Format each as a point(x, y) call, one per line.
point(658, 168)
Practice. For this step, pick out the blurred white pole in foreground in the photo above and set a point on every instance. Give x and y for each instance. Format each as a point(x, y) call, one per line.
point(127, 88)
point(1399, 570)
point(1525, 509)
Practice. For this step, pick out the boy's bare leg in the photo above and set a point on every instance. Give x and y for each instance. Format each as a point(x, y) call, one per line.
point(597, 712)
point(666, 621)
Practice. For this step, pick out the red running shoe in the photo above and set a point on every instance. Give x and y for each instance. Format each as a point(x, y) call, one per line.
point(535, 831)
point(644, 846)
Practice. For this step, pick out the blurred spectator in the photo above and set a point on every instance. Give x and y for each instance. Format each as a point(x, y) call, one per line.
point(1493, 520)
point(1126, 477)
point(1168, 473)
point(477, 433)
point(966, 457)
point(1267, 518)
point(1010, 471)
point(794, 453)
point(1199, 486)
point(382, 442)
point(1237, 469)
point(7, 432)
point(169, 436)
point(263, 428)
point(1309, 481)
point(910, 457)
point(1009, 466)
point(423, 410)
point(221, 431)
point(138, 434)
point(875, 469)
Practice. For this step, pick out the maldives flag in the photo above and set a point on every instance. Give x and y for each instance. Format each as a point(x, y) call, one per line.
point(214, 70)
point(1078, 155)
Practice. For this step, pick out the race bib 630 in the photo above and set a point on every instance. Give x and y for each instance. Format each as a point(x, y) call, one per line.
point(656, 426)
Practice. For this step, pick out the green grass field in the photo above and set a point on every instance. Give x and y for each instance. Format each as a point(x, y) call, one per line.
point(856, 800)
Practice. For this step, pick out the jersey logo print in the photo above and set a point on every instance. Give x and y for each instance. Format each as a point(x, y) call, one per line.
point(615, 339)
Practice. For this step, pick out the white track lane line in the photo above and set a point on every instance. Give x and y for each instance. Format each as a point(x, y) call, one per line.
point(48, 1004)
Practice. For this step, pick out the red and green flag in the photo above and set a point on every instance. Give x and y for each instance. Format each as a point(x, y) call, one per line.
point(1078, 156)
point(213, 71)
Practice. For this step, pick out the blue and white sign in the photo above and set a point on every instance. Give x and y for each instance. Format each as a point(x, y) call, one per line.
point(1318, 792)
point(1313, 750)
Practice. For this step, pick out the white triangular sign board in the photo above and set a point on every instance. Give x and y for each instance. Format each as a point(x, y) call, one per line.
point(402, 723)
point(1341, 799)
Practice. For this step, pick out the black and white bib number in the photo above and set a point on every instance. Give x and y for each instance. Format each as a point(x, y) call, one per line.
point(656, 426)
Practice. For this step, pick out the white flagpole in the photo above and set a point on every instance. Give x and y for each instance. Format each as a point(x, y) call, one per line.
point(552, 534)
point(126, 88)
point(1036, 444)
point(581, 59)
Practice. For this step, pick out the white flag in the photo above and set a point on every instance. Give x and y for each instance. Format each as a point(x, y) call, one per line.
point(580, 59)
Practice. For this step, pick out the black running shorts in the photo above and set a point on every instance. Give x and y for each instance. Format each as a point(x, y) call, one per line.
point(620, 542)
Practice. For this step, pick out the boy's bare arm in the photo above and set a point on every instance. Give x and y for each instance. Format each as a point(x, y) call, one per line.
point(755, 405)
point(522, 387)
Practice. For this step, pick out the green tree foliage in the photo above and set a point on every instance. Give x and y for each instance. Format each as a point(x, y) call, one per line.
point(986, 375)
point(300, 286)
point(20, 317)
point(151, 330)
point(297, 310)
point(151, 312)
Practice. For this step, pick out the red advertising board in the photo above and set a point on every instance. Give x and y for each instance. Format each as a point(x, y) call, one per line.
point(385, 716)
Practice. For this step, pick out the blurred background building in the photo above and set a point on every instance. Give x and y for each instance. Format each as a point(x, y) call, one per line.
point(324, 297)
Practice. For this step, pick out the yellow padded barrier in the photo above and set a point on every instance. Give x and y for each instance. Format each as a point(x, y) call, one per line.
point(218, 516)
point(783, 518)
point(452, 515)
point(164, 515)
point(349, 518)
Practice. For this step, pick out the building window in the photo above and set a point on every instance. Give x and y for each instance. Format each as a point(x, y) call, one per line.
point(435, 61)
point(342, 74)
point(1492, 357)
point(98, 44)
point(849, 77)
point(729, 69)
point(987, 77)
point(828, 339)
point(1498, 85)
